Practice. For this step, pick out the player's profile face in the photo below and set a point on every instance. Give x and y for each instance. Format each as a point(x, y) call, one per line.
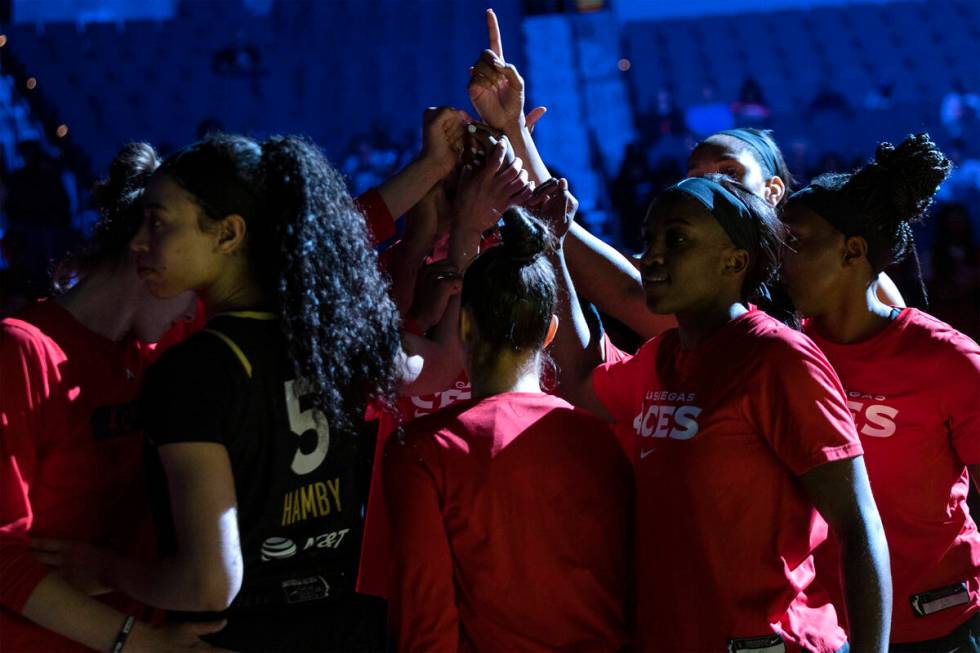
point(812, 263)
point(683, 262)
point(173, 253)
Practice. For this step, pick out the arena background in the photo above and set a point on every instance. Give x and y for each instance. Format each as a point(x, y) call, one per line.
point(629, 84)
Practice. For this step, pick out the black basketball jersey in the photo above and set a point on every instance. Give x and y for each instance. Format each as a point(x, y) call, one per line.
point(301, 484)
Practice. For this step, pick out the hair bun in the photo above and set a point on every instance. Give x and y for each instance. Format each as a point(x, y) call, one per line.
point(524, 237)
point(909, 175)
point(128, 174)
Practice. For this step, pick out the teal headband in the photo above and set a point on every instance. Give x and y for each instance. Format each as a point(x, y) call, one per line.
point(730, 212)
point(762, 148)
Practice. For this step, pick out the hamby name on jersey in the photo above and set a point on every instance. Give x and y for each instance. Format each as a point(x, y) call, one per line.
point(430, 403)
point(666, 414)
point(872, 416)
point(318, 499)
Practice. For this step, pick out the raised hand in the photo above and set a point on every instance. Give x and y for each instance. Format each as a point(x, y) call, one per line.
point(555, 205)
point(496, 89)
point(442, 143)
point(443, 136)
point(480, 139)
point(483, 194)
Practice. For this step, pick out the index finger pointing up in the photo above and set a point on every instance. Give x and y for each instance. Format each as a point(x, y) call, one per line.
point(493, 29)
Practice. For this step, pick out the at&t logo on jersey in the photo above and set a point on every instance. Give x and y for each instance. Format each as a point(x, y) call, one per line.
point(676, 420)
point(278, 548)
point(281, 548)
point(872, 417)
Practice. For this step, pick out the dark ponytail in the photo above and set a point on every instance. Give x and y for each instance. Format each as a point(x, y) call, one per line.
point(510, 289)
point(337, 315)
point(309, 247)
point(117, 199)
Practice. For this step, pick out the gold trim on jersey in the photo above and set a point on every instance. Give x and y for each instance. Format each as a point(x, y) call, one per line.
point(251, 315)
point(242, 358)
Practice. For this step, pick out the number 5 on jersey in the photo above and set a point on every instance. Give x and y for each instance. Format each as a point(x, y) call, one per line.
point(301, 421)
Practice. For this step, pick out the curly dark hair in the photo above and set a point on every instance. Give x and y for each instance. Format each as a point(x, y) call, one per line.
point(117, 199)
point(883, 199)
point(510, 289)
point(309, 247)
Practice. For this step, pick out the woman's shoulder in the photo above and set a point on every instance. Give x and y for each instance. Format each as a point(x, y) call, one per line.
point(21, 338)
point(923, 330)
point(506, 410)
point(420, 429)
point(759, 326)
point(17, 330)
point(204, 355)
point(772, 342)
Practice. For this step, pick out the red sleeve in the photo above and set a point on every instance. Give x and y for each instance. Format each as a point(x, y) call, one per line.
point(29, 381)
point(960, 402)
point(380, 222)
point(619, 383)
point(613, 353)
point(422, 606)
point(798, 405)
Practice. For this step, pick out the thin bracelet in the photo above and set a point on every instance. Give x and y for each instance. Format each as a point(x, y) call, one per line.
point(123, 634)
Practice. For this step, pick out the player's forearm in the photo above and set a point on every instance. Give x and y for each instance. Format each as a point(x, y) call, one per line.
point(610, 281)
point(404, 189)
point(173, 584)
point(867, 584)
point(59, 607)
point(576, 350)
point(464, 245)
point(406, 260)
point(527, 151)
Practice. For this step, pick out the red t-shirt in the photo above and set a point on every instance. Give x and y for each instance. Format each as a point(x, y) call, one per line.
point(70, 456)
point(510, 517)
point(373, 576)
point(724, 530)
point(622, 430)
point(372, 573)
point(914, 389)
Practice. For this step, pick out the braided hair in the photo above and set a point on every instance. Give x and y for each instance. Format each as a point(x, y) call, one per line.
point(883, 199)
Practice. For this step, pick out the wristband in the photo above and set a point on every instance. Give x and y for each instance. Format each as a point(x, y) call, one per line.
point(123, 634)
